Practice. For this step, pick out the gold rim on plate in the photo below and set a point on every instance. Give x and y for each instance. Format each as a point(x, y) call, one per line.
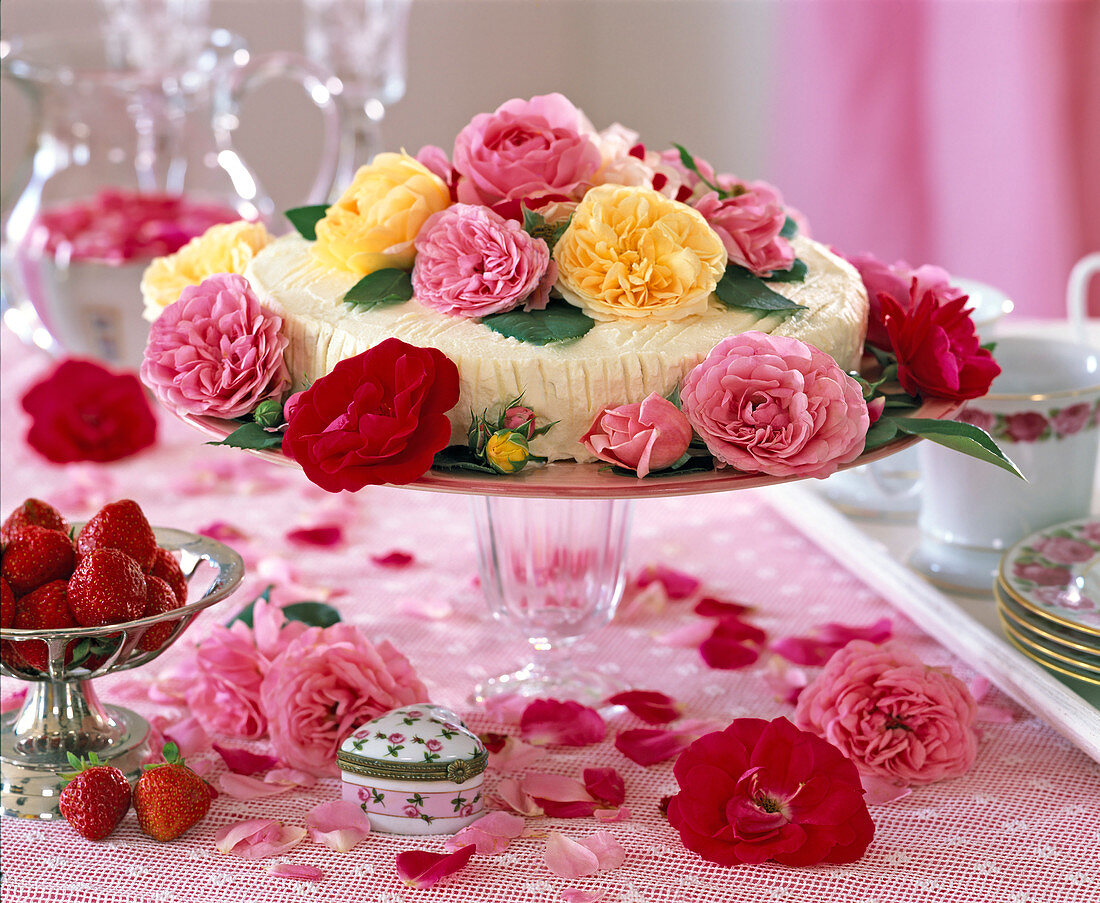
point(1044, 656)
point(1050, 666)
point(1005, 603)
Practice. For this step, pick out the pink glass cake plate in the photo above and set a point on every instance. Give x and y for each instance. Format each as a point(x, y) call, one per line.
point(551, 544)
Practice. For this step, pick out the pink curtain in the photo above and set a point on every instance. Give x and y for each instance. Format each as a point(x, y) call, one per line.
point(955, 132)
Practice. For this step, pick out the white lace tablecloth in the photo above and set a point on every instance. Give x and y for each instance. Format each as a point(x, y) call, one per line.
point(1022, 827)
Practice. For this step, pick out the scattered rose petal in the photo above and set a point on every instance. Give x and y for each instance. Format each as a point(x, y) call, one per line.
point(421, 869)
point(189, 735)
point(878, 791)
point(639, 602)
point(785, 680)
point(677, 584)
point(605, 784)
point(203, 767)
point(394, 559)
point(296, 872)
point(978, 687)
point(428, 608)
point(13, 700)
point(257, 838)
point(649, 705)
point(567, 808)
point(622, 813)
point(647, 745)
point(515, 755)
point(818, 648)
point(493, 741)
point(322, 536)
point(506, 708)
point(339, 824)
point(245, 787)
point(690, 636)
point(995, 714)
point(576, 858)
point(709, 607)
point(732, 644)
point(293, 776)
point(565, 723)
point(576, 895)
point(608, 850)
point(556, 787)
point(511, 793)
point(171, 689)
point(490, 834)
point(243, 761)
point(221, 531)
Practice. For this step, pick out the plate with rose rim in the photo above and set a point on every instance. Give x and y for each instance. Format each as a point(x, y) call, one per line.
point(1051, 664)
point(1051, 631)
point(1055, 573)
point(1022, 633)
point(568, 479)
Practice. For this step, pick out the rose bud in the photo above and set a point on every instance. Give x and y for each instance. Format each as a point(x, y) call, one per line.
point(645, 436)
point(507, 451)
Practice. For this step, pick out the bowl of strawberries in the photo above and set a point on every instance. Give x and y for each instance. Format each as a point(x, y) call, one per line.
point(78, 602)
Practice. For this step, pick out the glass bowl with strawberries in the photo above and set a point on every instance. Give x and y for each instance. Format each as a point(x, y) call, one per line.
point(78, 603)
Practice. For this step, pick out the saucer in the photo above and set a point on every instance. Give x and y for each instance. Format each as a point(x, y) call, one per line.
point(959, 569)
point(1050, 663)
point(1050, 634)
point(1087, 664)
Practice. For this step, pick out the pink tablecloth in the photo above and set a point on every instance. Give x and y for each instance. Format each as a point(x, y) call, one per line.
point(1023, 825)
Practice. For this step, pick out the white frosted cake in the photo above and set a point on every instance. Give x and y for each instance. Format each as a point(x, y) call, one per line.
point(616, 362)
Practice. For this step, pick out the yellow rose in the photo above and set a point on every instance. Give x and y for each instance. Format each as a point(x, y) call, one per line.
point(224, 248)
point(507, 451)
point(373, 224)
point(631, 252)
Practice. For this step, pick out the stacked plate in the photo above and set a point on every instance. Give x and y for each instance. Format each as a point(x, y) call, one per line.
point(1048, 598)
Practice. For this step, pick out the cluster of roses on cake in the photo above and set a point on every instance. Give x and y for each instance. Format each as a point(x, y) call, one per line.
point(533, 198)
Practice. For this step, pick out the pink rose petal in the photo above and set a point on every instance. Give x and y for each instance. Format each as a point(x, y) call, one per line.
point(322, 536)
point(422, 869)
point(339, 824)
point(293, 776)
point(511, 793)
point(818, 648)
point(296, 872)
point(605, 784)
point(490, 834)
point(13, 700)
point(609, 815)
point(428, 608)
point(556, 787)
point(243, 761)
point(567, 808)
point(690, 636)
point(878, 791)
point(732, 644)
point(394, 559)
point(709, 607)
point(677, 584)
point(647, 745)
point(785, 680)
point(567, 723)
point(257, 838)
point(221, 531)
point(515, 755)
point(506, 708)
point(649, 705)
point(245, 787)
point(188, 734)
point(576, 858)
point(576, 895)
point(608, 850)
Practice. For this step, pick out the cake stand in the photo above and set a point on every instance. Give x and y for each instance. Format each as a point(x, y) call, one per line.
point(551, 548)
point(62, 713)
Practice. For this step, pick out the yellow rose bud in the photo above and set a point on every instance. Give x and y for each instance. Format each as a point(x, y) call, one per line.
point(373, 224)
point(224, 248)
point(631, 252)
point(507, 451)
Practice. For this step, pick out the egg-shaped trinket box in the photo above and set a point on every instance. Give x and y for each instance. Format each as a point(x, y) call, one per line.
point(415, 770)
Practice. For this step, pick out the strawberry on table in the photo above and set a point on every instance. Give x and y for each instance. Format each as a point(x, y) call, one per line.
point(159, 599)
point(170, 798)
point(47, 608)
point(120, 525)
point(168, 569)
point(35, 556)
point(33, 511)
point(96, 798)
point(107, 587)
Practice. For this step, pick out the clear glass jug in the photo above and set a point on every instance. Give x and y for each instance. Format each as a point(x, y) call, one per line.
point(129, 162)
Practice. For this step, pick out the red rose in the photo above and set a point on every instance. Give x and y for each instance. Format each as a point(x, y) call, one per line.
point(84, 412)
point(938, 350)
point(766, 790)
point(378, 417)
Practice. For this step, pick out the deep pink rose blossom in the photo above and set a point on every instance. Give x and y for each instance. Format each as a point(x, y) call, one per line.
point(1071, 419)
point(525, 149)
point(471, 262)
point(216, 350)
point(775, 405)
point(1026, 426)
point(749, 223)
point(1062, 550)
point(1042, 575)
point(983, 420)
point(891, 714)
point(644, 436)
point(326, 683)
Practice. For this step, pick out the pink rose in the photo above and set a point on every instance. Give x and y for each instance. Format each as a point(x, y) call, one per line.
point(216, 350)
point(1027, 426)
point(896, 281)
point(1091, 531)
point(891, 714)
point(1072, 419)
point(520, 419)
point(433, 745)
point(1041, 575)
point(525, 149)
point(471, 262)
point(749, 224)
point(644, 436)
point(326, 683)
point(775, 405)
point(1062, 550)
point(983, 420)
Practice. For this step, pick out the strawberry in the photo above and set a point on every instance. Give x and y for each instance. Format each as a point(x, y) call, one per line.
point(36, 555)
point(120, 525)
point(47, 608)
point(32, 511)
point(7, 604)
point(107, 587)
point(96, 798)
point(159, 598)
point(170, 798)
point(168, 569)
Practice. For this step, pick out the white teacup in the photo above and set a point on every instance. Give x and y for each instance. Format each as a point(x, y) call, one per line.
point(1042, 411)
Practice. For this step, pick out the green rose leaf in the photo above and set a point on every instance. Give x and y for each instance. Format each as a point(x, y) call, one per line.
point(535, 225)
point(790, 228)
point(740, 288)
point(314, 614)
point(305, 219)
point(881, 431)
point(460, 457)
point(388, 286)
point(796, 273)
point(559, 322)
point(962, 437)
point(251, 436)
